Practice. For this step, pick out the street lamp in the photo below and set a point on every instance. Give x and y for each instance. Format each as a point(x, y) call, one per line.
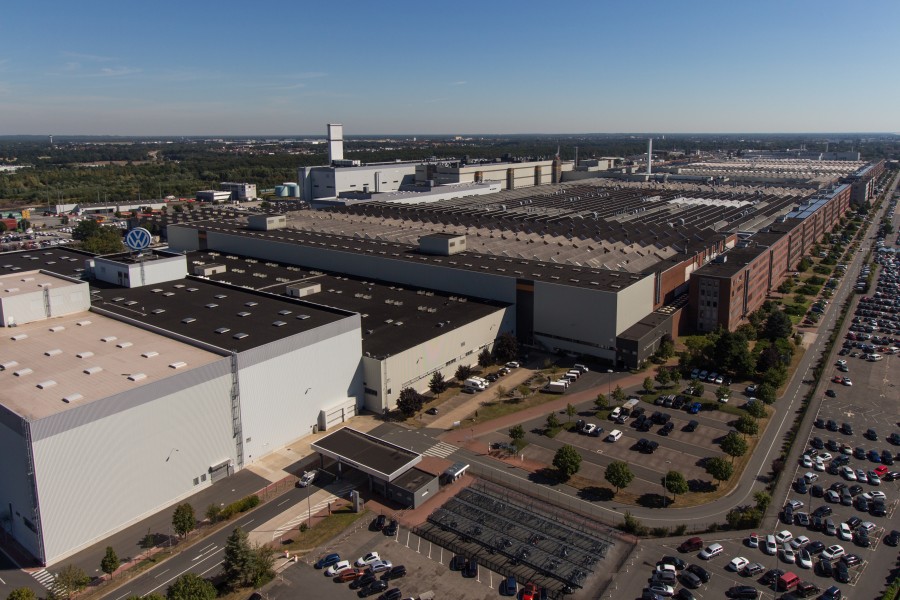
point(609, 373)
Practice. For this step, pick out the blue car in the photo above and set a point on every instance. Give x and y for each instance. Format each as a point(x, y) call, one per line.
point(874, 456)
point(694, 408)
point(328, 560)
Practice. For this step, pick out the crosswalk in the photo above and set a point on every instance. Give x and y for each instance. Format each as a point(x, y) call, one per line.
point(441, 450)
point(45, 578)
point(321, 505)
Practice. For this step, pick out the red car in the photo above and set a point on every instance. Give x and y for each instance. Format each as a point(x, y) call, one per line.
point(350, 575)
point(531, 592)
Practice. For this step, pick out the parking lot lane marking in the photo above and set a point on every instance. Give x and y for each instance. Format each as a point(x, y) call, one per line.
point(491, 584)
point(161, 574)
point(441, 561)
point(419, 546)
point(1, 581)
point(429, 550)
point(407, 538)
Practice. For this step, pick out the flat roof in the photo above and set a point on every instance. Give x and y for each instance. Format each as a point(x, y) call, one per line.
point(367, 453)
point(84, 357)
point(29, 282)
point(549, 272)
point(394, 317)
point(64, 261)
point(414, 479)
point(223, 316)
point(132, 258)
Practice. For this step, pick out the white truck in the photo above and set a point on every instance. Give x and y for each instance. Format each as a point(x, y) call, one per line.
point(556, 387)
point(476, 383)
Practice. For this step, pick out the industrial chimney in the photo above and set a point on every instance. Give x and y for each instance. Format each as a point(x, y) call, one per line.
point(649, 156)
point(335, 142)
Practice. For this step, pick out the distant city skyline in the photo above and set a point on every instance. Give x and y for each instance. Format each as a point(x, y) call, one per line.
point(286, 68)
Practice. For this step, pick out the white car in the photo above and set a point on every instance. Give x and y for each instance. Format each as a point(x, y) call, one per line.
point(861, 476)
point(825, 456)
point(738, 563)
point(795, 504)
point(874, 479)
point(589, 428)
point(338, 568)
point(869, 526)
point(844, 532)
point(787, 554)
point(782, 537)
point(368, 559)
point(819, 465)
point(848, 473)
point(810, 477)
point(771, 547)
point(614, 436)
point(876, 495)
point(307, 478)
point(833, 552)
point(804, 559)
point(799, 542)
point(661, 589)
point(380, 565)
point(806, 461)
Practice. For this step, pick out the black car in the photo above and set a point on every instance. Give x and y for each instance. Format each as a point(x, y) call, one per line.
point(886, 457)
point(871, 434)
point(684, 594)
point(893, 538)
point(742, 591)
point(833, 445)
point(824, 568)
point(394, 573)
point(846, 429)
point(859, 452)
point(362, 582)
point(801, 486)
point(667, 428)
point(787, 515)
point(853, 522)
point(862, 504)
point(647, 446)
point(817, 523)
point(674, 561)
point(471, 568)
point(815, 547)
point(861, 538)
point(851, 559)
point(820, 423)
point(700, 572)
point(391, 529)
point(771, 576)
point(817, 443)
point(878, 509)
point(830, 394)
point(432, 411)
point(392, 594)
point(373, 588)
point(856, 489)
point(817, 491)
point(842, 572)
point(379, 523)
point(691, 426)
point(458, 563)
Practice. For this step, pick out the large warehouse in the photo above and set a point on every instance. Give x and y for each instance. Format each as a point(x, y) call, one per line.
point(159, 389)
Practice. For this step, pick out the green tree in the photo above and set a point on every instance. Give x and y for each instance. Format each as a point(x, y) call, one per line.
point(723, 392)
point(756, 409)
point(105, 241)
point(732, 353)
point(600, 402)
point(663, 377)
point(237, 563)
point(719, 468)
point(463, 372)
point(517, 433)
point(763, 500)
point(213, 512)
point(410, 402)
point(22, 594)
point(675, 483)
point(768, 358)
point(485, 359)
point(619, 475)
point(778, 326)
point(666, 348)
point(804, 265)
point(648, 385)
point(776, 376)
point(567, 461)
point(618, 394)
point(734, 445)
point(570, 411)
point(191, 587)
point(70, 580)
point(437, 383)
point(552, 421)
point(506, 348)
point(263, 564)
point(86, 228)
point(110, 561)
point(747, 425)
point(766, 392)
point(183, 520)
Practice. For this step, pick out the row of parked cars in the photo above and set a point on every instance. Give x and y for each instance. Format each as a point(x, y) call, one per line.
point(370, 574)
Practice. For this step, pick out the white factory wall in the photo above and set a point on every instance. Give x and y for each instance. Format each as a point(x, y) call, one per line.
point(634, 302)
point(414, 367)
point(286, 383)
point(16, 503)
point(27, 308)
point(105, 465)
point(428, 274)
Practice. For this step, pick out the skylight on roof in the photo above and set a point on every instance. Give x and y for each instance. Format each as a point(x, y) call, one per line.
point(223, 330)
point(240, 336)
point(187, 320)
point(212, 305)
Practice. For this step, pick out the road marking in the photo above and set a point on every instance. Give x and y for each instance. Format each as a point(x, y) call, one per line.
point(199, 556)
point(1, 581)
point(163, 573)
point(125, 595)
point(283, 502)
point(183, 572)
point(441, 450)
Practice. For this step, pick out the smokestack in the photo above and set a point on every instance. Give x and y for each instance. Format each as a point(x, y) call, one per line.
point(649, 156)
point(335, 142)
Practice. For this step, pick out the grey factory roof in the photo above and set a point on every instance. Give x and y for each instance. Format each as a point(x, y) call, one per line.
point(63, 261)
point(394, 317)
point(366, 452)
point(549, 272)
point(222, 316)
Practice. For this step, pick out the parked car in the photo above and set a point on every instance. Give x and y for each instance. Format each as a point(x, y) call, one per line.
point(327, 561)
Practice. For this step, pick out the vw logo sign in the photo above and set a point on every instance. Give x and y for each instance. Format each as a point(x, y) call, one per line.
point(137, 239)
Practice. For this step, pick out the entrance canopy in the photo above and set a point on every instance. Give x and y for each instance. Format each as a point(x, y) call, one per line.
point(369, 454)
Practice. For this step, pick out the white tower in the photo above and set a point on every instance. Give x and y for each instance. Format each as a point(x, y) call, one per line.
point(335, 142)
point(649, 156)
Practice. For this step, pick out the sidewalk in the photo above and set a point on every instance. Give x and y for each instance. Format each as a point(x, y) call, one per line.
point(473, 402)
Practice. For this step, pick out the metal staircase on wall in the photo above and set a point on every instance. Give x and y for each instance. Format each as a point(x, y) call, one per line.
point(237, 430)
point(47, 302)
point(32, 487)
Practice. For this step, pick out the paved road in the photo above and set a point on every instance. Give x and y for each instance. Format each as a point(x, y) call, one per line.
point(205, 557)
point(12, 578)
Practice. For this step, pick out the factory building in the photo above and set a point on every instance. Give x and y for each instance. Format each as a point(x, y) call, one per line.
point(161, 389)
point(240, 192)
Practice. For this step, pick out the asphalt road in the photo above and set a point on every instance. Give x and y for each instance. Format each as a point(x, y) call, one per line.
point(12, 578)
point(205, 557)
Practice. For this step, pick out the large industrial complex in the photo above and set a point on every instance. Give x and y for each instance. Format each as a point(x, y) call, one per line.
point(169, 369)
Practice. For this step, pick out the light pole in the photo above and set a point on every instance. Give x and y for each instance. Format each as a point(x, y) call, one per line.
point(609, 373)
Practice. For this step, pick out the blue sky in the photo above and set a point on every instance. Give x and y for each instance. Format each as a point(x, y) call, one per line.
point(287, 67)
